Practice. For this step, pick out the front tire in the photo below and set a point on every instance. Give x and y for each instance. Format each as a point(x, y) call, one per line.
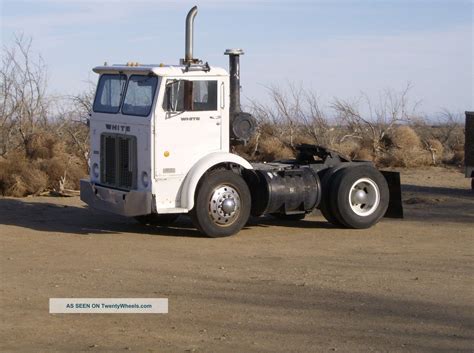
point(222, 204)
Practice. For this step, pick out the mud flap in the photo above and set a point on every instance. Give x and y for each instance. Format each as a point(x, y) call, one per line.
point(395, 207)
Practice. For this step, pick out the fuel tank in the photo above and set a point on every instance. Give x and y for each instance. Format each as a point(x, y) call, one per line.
point(288, 190)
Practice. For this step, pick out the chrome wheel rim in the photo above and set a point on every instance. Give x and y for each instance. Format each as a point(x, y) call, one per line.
point(364, 197)
point(224, 205)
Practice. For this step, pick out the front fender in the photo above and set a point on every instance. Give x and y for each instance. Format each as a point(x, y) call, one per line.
point(191, 180)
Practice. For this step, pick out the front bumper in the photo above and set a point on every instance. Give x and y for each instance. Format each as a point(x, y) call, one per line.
point(125, 203)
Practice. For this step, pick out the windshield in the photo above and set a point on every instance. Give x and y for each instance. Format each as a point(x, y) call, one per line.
point(138, 99)
point(109, 93)
point(139, 96)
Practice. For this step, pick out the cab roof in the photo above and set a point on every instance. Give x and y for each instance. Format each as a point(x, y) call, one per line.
point(159, 70)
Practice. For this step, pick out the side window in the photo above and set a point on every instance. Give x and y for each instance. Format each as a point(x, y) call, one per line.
point(204, 95)
point(184, 95)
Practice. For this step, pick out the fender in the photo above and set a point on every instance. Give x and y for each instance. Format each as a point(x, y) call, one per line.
point(203, 165)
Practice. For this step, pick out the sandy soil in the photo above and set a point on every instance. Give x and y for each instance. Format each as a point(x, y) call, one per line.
point(402, 286)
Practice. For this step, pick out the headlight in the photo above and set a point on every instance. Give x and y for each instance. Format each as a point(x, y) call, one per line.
point(145, 179)
point(95, 170)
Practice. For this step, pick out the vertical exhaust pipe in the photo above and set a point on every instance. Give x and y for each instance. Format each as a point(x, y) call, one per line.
point(189, 44)
point(234, 73)
point(242, 125)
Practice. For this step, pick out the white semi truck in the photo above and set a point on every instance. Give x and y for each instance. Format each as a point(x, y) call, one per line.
point(160, 138)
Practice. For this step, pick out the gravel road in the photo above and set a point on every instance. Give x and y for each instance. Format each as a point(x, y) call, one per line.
point(402, 286)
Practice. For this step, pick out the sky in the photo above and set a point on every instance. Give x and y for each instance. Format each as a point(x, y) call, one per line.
point(334, 48)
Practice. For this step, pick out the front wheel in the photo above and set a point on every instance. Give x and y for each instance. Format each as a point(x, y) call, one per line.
point(222, 204)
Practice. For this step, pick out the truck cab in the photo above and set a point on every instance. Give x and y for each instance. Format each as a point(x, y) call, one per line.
point(153, 123)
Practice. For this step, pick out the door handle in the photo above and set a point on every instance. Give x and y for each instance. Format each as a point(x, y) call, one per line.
point(215, 117)
point(222, 95)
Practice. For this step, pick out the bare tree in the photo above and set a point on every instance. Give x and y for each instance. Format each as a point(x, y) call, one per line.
point(450, 129)
point(72, 117)
point(316, 122)
point(278, 117)
point(373, 123)
point(23, 102)
point(293, 113)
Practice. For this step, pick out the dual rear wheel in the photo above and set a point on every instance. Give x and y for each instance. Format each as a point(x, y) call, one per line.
point(354, 197)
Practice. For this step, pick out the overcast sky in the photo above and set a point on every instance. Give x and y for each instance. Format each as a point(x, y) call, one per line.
point(336, 48)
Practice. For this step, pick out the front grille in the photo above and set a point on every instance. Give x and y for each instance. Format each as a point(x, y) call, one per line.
point(118, 161)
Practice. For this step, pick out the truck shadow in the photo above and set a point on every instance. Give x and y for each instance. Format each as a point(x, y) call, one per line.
point(53, 217)
point(59, 218)
point(435, 204)
point(269, 221)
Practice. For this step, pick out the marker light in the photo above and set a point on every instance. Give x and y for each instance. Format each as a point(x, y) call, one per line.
point(145, 179)
point(95, 170)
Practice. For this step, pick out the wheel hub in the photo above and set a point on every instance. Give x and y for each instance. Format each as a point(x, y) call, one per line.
point(360, 196)
point(224, 205)
point(228, 206)
point(364, 197)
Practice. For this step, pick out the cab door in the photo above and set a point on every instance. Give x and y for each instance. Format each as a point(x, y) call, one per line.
point(189, 126)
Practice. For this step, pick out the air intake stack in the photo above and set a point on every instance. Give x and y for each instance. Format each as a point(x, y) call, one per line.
point(242, 125)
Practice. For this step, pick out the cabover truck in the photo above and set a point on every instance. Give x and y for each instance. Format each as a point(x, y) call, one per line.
point(160, 147)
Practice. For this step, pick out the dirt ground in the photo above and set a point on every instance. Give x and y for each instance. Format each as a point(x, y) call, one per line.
point(402, 286)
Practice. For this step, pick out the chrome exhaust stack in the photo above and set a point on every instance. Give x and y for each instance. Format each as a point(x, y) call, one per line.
point(189, 41)
point(191, 63)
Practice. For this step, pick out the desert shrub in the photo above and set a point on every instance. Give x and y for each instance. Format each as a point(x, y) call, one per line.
point(64, 171)
point(364, 154)
point(19, 177)
point(456, 157)
point(77, 170)
point(436, 150)
point(405, 137)
point(271, 148)
point(41, 145)
point(348, 148)
point(404, 149)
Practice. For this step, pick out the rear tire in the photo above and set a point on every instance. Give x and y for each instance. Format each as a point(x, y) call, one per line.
point(222, 204)
point(155, 219)
point(360, 196)
point(326, 193)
